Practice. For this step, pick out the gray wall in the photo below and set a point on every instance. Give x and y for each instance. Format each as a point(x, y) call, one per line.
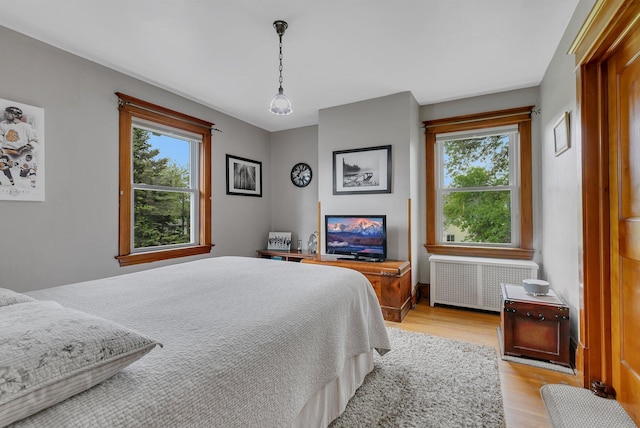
point(377, 122)
point(73, 235)
point(561, 175)
point(381, 121)
point(294, 209)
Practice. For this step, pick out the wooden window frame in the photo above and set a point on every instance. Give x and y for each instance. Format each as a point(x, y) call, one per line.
point(131, 108)
point(522, 118)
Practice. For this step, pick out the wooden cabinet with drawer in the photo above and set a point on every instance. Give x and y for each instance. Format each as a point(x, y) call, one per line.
point(391, 281)
point(535, 326)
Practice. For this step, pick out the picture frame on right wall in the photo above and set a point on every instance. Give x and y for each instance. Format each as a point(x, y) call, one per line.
point(562, 134)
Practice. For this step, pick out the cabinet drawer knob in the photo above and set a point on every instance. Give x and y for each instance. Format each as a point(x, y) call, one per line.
point(540, 316)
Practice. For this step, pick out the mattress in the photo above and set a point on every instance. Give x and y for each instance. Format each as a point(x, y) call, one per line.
point(247, 342)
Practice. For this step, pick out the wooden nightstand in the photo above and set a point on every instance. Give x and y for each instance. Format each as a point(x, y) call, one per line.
point(535, 326)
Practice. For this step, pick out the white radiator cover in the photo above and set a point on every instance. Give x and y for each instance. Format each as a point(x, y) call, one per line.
point(474, 282)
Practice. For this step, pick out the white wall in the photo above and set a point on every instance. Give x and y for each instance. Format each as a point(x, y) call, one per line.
point(294, 209)
point(480, 104)
point(561, 175)
point(377, 122)
point(73, 235)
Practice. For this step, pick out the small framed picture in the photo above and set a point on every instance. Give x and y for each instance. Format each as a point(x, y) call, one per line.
point(279, 241)
point(562, 134)
point(244, 176)
point(366, 170)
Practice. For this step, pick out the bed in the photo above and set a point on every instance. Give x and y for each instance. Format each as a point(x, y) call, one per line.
point(232, 342)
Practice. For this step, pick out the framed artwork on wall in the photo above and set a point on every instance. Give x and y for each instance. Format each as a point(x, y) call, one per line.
point(21, 152)
point(244, 176)
point(562, 134)
point(365, 170)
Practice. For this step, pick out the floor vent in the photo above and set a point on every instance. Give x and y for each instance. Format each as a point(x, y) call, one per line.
point(475, 282)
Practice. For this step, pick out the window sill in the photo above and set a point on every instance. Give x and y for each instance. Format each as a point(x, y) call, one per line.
point(460, 250)
point(154, 256)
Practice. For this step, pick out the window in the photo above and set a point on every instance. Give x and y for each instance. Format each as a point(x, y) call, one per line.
point(165, 183)
point(479, 185)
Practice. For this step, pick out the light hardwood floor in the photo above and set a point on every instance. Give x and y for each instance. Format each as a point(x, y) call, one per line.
point(521, 383)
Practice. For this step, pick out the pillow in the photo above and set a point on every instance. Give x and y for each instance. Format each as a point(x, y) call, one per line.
point(9, 297)
point(49, 353)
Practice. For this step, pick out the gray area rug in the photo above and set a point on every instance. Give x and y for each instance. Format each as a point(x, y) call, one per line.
point(531, 361)
point(427, 381)
point(573, 407)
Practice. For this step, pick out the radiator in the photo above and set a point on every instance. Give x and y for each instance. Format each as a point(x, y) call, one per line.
point(475, 282)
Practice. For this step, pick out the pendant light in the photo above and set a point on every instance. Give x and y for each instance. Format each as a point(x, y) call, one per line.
point(280, 104)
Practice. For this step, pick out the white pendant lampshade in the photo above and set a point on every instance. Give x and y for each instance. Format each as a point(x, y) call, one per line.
point(280, 104)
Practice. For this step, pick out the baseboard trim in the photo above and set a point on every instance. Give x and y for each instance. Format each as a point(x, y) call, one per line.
point(579, 359)
point(423, 291)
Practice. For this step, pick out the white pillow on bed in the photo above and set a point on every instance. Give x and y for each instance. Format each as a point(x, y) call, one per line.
point(49, 353)
point(10, 297)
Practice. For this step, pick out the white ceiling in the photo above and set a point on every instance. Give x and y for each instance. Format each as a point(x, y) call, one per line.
point(224, 54)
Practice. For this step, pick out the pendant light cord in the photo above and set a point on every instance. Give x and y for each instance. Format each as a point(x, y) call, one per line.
point(280, 80)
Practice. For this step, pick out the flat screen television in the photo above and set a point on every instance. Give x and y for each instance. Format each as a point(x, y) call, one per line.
point(361, 237)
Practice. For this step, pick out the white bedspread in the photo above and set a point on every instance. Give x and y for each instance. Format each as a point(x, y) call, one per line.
point(246, 342)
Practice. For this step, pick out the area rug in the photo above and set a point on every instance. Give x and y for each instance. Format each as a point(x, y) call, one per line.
point(427, 381)
point(570, 406)
point(531, 361)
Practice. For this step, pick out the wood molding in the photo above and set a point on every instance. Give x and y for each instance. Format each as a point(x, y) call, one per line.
point(130, 108)
point(518, 116)
point(205, 190)
point(469, 121)
point(154, 256)
point(578, 359)
point(124, 191)
point(128, 100)
point(423, 291)
point(319, 243)
point(473, 251)
point(409, 251)
point(608, 23)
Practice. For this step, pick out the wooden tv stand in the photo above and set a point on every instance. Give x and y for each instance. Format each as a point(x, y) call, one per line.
point(289, 256)
point(390, 280)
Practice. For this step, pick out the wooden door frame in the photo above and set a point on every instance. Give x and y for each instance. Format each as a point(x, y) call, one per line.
point(608, 23)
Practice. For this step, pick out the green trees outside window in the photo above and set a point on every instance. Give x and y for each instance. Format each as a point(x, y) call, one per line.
point(476, 197)
point(165, 183)
point(479, 183)
point(161, 198)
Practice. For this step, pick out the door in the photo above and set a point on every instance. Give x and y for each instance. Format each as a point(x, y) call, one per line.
point(624, 180)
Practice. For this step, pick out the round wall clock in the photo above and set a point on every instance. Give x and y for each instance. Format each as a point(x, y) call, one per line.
point(301, 174)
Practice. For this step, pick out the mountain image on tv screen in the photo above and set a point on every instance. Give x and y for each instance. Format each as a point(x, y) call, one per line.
point(355, 235)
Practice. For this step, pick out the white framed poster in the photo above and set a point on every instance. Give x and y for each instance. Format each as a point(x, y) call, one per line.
point(279, 241)
point(21, 152)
